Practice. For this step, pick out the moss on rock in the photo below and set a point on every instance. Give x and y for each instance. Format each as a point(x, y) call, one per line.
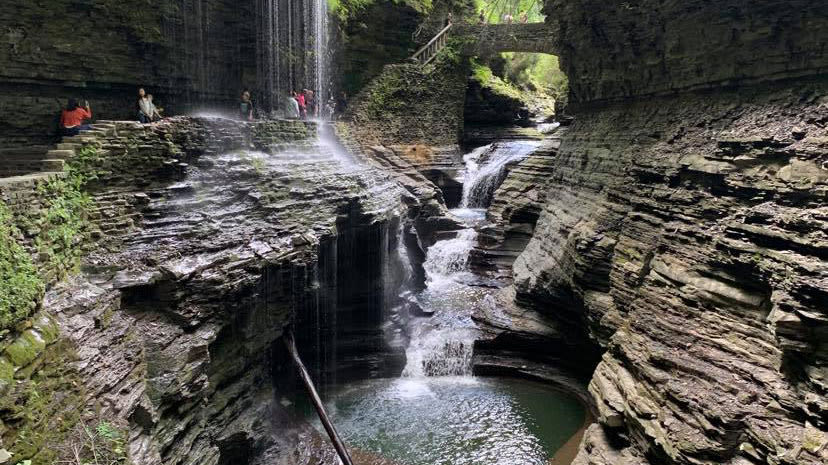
point(21, 287)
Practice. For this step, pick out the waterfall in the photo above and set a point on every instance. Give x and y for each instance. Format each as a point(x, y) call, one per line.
point(487, 167)
point(320, 55)
point(442, 345)
point(449, 257)
point(292, 50)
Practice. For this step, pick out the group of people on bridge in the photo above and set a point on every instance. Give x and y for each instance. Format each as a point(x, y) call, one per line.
point(523, 17)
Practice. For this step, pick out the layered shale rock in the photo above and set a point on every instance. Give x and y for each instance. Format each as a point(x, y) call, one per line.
point(223, 234)
point(683, 234)
point(514, 210)
point(691, 251)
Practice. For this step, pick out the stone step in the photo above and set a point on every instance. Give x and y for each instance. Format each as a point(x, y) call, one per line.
point(52, 165)
point(68, 145)
point(62, 154)
point(22, 157)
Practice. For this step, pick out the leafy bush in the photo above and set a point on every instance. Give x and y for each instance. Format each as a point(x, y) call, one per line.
point(64, 223)
point(537, 72)
point(63, 226)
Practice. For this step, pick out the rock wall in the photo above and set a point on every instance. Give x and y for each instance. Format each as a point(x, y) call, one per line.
point(381, 34)
point(171, 332)
point(648, 47)
point(685, 233)
point(669, 228)
point(185, 52)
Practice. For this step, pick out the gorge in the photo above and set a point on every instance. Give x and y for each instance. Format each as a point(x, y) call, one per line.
point(638, 276)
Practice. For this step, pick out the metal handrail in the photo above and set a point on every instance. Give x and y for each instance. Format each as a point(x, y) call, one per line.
point(433, 46)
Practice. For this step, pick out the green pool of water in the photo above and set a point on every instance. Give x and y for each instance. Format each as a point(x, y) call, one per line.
point(455, 420)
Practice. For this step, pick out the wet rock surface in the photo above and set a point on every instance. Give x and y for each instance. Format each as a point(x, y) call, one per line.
point(684, 234)
point(176, 321)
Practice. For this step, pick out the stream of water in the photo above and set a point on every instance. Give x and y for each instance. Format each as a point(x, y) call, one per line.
point(487, 167)
point(437, 413)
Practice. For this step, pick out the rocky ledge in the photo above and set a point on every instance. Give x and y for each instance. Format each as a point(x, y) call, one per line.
point(226, 234)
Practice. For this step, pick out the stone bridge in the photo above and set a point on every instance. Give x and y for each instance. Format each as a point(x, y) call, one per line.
point(497, 38)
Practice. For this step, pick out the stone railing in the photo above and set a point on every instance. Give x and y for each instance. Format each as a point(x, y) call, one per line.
point(489, 39)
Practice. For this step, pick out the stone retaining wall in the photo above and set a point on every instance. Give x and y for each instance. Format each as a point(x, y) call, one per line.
point(492, 39)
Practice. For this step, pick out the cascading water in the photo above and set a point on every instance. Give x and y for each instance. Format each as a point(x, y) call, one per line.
point(292, 50)
point(442, 344)
point(437, 412)
point(321, 54)
point(487, 167)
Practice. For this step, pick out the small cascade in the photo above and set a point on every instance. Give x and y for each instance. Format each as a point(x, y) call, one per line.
point(442, 345)
point(449, 257)
point(487, 167)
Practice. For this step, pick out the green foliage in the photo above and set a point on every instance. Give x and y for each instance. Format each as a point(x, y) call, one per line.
point(484, 75)
point(386, 93)
point(536, 72)
point(42, 410)
point(493, 10)
point(348, 10)
point(64, 223)
point(102, 445)
point(20, 284)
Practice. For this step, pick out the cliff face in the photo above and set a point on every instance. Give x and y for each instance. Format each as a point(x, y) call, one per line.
point(648, 46)
point(687, 232)
point(186, 53)
point(208, 237)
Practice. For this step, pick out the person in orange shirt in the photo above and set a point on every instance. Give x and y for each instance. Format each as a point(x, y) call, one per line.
point(71, 119)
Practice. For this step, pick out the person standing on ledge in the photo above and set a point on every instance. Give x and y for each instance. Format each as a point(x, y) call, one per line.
point(246, 106)
point(300, 99)
point(71, 118)
point(144, 107)
point(310, 103)
point(482, 17)
point(292, 106)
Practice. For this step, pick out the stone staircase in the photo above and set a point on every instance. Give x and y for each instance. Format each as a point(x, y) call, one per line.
point(29, 161)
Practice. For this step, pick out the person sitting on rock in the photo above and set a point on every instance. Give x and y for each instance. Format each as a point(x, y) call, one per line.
point(482, 17)
point(155, 113)
point(71, 118)
point(524, 17)
point(246, 106)
point(144, 107)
